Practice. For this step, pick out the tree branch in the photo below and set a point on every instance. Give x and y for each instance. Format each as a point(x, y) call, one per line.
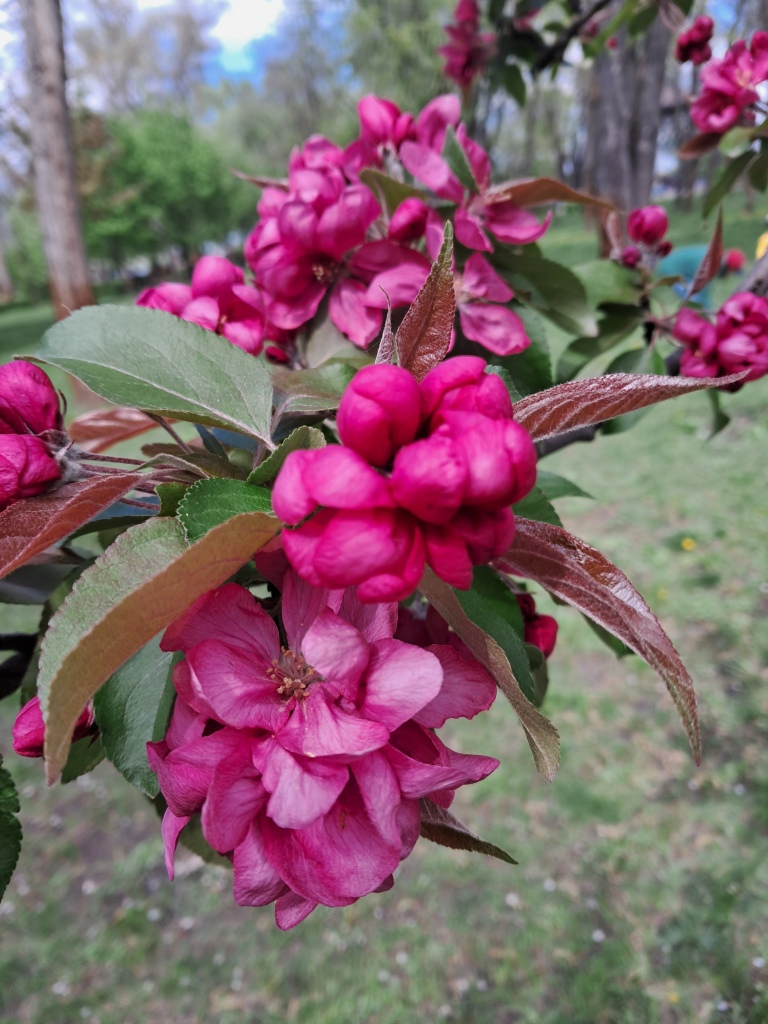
point(554, 53)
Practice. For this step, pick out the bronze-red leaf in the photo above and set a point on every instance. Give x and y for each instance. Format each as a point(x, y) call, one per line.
point(713, 257)
point(424, 336)
point(30, 526)
point(535, 191)
point(99, 430)
point(439, 826)
point(582, 403)
point(577, 573)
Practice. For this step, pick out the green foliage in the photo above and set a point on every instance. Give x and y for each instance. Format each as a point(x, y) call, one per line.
point(302, 437)
point(209, 503)
point(132, 709)
point(10, 828)
point(535, 505)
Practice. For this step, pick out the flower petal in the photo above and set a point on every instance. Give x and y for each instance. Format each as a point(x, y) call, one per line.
point(235, 797)
point(301, 789)
point(256, 882)
point(237, 686)
point(467, 689)
point(349, 312)
point(335, 649)
point(400, 681)
point(495, 327)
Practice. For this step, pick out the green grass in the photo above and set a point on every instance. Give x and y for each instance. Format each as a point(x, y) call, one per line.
point(640, 893)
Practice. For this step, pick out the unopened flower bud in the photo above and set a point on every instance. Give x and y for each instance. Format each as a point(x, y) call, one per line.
point(26, 468)
point(29, 403)
point(29, 728)
point(648, 225)
point(630, 257)
point(380, 412)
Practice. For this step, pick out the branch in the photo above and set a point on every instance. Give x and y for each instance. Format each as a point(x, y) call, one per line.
point(554, 53)
point(757, 279)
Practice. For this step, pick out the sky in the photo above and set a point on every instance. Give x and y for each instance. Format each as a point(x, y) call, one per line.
point(241, 22)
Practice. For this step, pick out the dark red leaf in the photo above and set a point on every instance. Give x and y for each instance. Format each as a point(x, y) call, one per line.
point(386, 351)
point(30, 526)
point(260, 181)
point(534, 191)
point(439, 826)
point(713, 257)
point(99, 430)
point(424, 336)
point(698, 145)
point(578, 574)
point(582, 403)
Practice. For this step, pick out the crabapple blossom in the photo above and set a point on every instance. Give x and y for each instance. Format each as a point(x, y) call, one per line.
point(29, 403)
point(539, 630)
point(693, 45)
point(647, 225)
point(26, 468)
point(736, 341)
point(307, 761)
point(29, 728)
point(458, 461)
point(468, 51)
point(729, 86)
point(219, 300)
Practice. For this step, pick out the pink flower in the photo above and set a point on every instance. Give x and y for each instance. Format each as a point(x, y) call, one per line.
point(480, 212)
point(539, 630)
point(29, 728)
point(219, 300)
point(647, 225)
point(738, 340)
point(26, 468)
point(729, 86)
point(307, 762)
point(468, 51)
point(630, 257)
point(446, 500)
point(29, 403)
point(479, 290)
point(693, 45)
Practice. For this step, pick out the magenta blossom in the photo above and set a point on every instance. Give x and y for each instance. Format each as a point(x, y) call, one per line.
point(488, 210)
point(729, 86)
point(26, 468)
point(29, 403)
point(445, 500)
point(647, 225)
point(693, 45)
point(307, 762)
point(737, 341)
point(219, 300)
point(468, 51)
point(29, 728)
point(539, 630)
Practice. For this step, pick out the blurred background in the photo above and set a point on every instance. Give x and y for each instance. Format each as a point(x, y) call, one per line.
point(640, 893)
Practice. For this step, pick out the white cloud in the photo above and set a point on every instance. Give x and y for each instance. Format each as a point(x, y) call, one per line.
point(240, 22)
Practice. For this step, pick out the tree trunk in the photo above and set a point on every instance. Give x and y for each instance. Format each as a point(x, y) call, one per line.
point(53, 162)
point(624, 117)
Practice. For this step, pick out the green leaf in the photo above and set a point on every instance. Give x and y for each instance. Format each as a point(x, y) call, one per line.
point(608, 281)
point(158, 363)
point(138, 586)
point(457, 160)
point(612, 642)
point(132, 709)
point(492, 607)
point(439, 826)
point(302, 437)
point(83, 758)
point(720, 418)
point(612, 329)
point(531, 369)
point(725, 179)
point(10, 828)
point(555, 486)
point(500, 371)
point(536, 506)
point(552, 288)
point(389, 192)
point(210, 503)
point(758, 173)
point(736, 141)
point(514, 83)
point(310, 391)
point(170, 495)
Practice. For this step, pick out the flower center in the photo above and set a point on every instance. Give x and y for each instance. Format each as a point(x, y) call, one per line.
point(325, 270)
point(292, 675)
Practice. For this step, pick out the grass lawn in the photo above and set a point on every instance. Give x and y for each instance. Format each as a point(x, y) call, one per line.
point(640, 896)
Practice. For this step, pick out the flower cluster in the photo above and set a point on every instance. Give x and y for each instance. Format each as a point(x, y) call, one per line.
point(469, 49)
point(539, 630)
point(646, 226)
point(736, 341)
point(425, 473)
point(729, 86)
point(307, 762)
point(322, 234)
point(693, 45)
point(29, 414)
point(219, 300)
point(29, 728)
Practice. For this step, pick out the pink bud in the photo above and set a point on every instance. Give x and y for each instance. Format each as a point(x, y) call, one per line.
point(26, 468)
point(29, 729)
point(541, 631)
point(734, 260)
point(409, 221)
point(380, 412)
point(499, 455)
point(630, 257)
point(664, 248)
point(429, 478)
point(612, 42)
point(215, 276)
point(648, 224)
point(527, 605)
point(169, 296)
point(29, 403)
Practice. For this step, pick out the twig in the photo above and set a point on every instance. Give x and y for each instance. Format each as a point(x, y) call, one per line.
point(555, 52)
point(162, 422)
